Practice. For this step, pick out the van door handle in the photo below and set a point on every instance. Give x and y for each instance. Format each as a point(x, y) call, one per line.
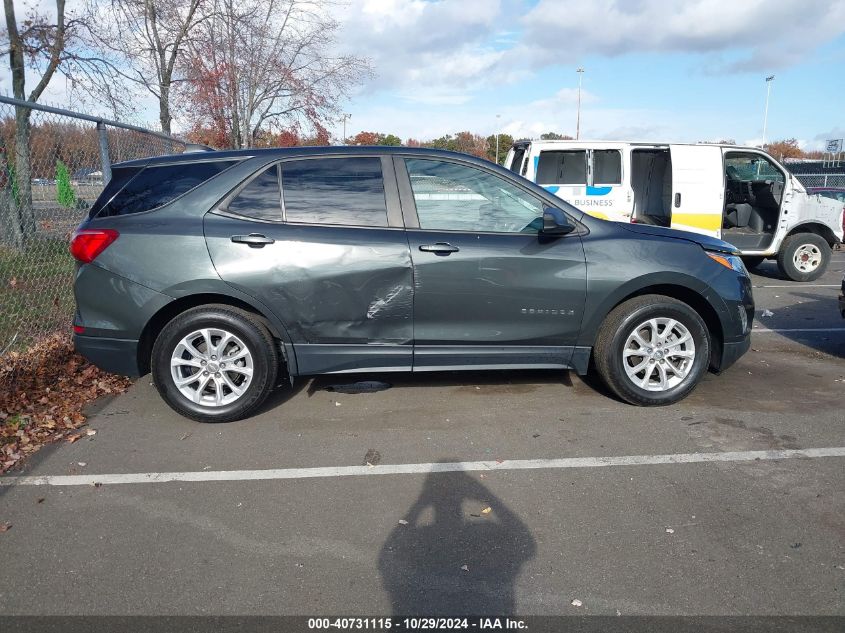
point(440, 248)
point(255, 240)
point(677, 200)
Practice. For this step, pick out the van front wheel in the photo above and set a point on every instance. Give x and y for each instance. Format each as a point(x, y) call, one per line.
point(804, 257)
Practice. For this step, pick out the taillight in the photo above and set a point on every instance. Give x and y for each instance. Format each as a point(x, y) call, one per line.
point(78, 329)
point(87, 244)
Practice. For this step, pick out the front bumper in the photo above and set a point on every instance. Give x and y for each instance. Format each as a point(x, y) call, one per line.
point(116, 356)
point(731, 352)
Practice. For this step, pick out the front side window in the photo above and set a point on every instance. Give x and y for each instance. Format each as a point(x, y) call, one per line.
point(155, 186)
point(564, 167)
point(607, 167)
point(260, 198)
point(345, 191)
point(751, 167)
point(453, 197)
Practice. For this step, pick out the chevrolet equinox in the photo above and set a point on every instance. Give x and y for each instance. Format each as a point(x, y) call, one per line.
point(221, 272)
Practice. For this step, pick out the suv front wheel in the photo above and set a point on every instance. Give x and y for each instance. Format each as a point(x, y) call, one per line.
point(214, 363)
point(652, 350)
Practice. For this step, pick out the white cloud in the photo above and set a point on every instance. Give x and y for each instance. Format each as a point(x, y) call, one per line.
point(767, 33)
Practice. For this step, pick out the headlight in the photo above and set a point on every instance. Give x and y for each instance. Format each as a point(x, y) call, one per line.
point(734, 262)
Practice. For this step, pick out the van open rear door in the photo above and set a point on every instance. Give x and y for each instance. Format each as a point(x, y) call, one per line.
point(698, 194)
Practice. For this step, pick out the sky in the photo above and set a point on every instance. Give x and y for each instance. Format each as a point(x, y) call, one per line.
point(686, 70)
point(654, 70)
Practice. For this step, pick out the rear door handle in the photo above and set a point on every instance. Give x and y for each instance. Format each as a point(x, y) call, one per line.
point(440, 248)
point(255, 240)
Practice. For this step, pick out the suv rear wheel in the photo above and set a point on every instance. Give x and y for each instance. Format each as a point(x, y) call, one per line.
point(652, 350)
point(214, 363)
point(804, 256)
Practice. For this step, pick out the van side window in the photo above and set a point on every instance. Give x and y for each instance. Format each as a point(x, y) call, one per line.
point(607, 167)
point(345, 191)
point(261, 198)
point(567, 167)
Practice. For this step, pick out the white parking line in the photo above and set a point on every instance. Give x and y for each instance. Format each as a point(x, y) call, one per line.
point(409, 469)
point(765, 330)
point(799, 285)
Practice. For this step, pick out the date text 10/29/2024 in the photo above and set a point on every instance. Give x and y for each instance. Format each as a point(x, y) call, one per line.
point(417, 624)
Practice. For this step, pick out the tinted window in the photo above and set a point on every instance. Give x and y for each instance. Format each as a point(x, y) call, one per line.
point(562, 167)
point(516, 163)
point(261, 198)
point(453, 197)
point(347, 191)
point(607, 167)
point(156, 186)
point(119, 177)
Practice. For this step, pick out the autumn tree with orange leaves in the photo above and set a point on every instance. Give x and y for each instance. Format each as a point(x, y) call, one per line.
point(258, 68)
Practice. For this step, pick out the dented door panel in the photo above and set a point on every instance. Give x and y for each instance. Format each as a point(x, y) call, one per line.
point(329, 285)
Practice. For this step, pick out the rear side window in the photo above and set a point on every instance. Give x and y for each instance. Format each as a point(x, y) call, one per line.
point(155, 186)
point(261, 198)
point(347, 191)
point(562, 168)
point(119, 177)
point(516, 163)
point(607, 167)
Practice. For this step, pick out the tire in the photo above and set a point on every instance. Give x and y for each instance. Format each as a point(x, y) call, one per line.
point(616, 336)
point(804, 257)
point(752, 261)
point(225, 390)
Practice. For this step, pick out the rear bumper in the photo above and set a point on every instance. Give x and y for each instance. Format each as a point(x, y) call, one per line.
point(116, 356)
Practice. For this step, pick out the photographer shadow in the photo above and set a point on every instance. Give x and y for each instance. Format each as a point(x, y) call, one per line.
point(452, 558)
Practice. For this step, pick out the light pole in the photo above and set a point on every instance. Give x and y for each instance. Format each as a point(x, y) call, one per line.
point(580, 72)
point(345, 117)
point(769, 81)
point(498, 116)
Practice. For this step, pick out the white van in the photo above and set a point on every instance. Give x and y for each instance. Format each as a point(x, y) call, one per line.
point(739, 194)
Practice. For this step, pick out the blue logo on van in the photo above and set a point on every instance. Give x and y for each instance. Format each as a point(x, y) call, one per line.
point(551, 188)
point(598, 191)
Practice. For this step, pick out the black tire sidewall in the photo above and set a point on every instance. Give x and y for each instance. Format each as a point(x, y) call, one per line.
point(701, 337)
point(247, 331)
point(787, 253)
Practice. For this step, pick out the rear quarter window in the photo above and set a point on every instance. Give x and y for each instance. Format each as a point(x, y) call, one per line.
point(134, 189)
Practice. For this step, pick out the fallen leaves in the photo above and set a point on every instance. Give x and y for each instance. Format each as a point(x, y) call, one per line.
point(42, 393)
point(5, 527)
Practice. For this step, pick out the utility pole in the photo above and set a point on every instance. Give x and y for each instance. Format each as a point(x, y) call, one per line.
point(498, 116)
point(580, 72)
point(345, 117)
point(769, 81)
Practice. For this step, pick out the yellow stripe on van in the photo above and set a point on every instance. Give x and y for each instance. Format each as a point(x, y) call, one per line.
point(706, 221)
point(598, 214)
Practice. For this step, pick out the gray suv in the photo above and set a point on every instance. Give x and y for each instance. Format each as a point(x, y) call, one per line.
point(223, 272)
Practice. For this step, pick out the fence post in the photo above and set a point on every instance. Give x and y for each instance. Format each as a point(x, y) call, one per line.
point(105, 161)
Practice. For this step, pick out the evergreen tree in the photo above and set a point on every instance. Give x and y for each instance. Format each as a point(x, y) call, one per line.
point(64, 190)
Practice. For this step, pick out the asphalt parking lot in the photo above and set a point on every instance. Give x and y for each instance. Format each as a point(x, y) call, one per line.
point(506, 492)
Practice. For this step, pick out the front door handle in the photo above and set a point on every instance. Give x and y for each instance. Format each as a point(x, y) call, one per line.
point(255, 240)
point(440, 248)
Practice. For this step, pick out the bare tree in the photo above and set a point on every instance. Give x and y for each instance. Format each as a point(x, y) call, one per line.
point(45, 45)
point(144, 40)
point(257, 66)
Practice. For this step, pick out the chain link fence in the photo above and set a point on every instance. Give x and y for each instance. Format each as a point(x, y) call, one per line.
point(53, 165)
point(822, 180)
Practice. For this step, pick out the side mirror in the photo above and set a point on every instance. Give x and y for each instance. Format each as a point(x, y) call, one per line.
point(555, 222)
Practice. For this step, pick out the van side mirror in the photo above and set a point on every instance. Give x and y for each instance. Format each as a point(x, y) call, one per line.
point(555, 222)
